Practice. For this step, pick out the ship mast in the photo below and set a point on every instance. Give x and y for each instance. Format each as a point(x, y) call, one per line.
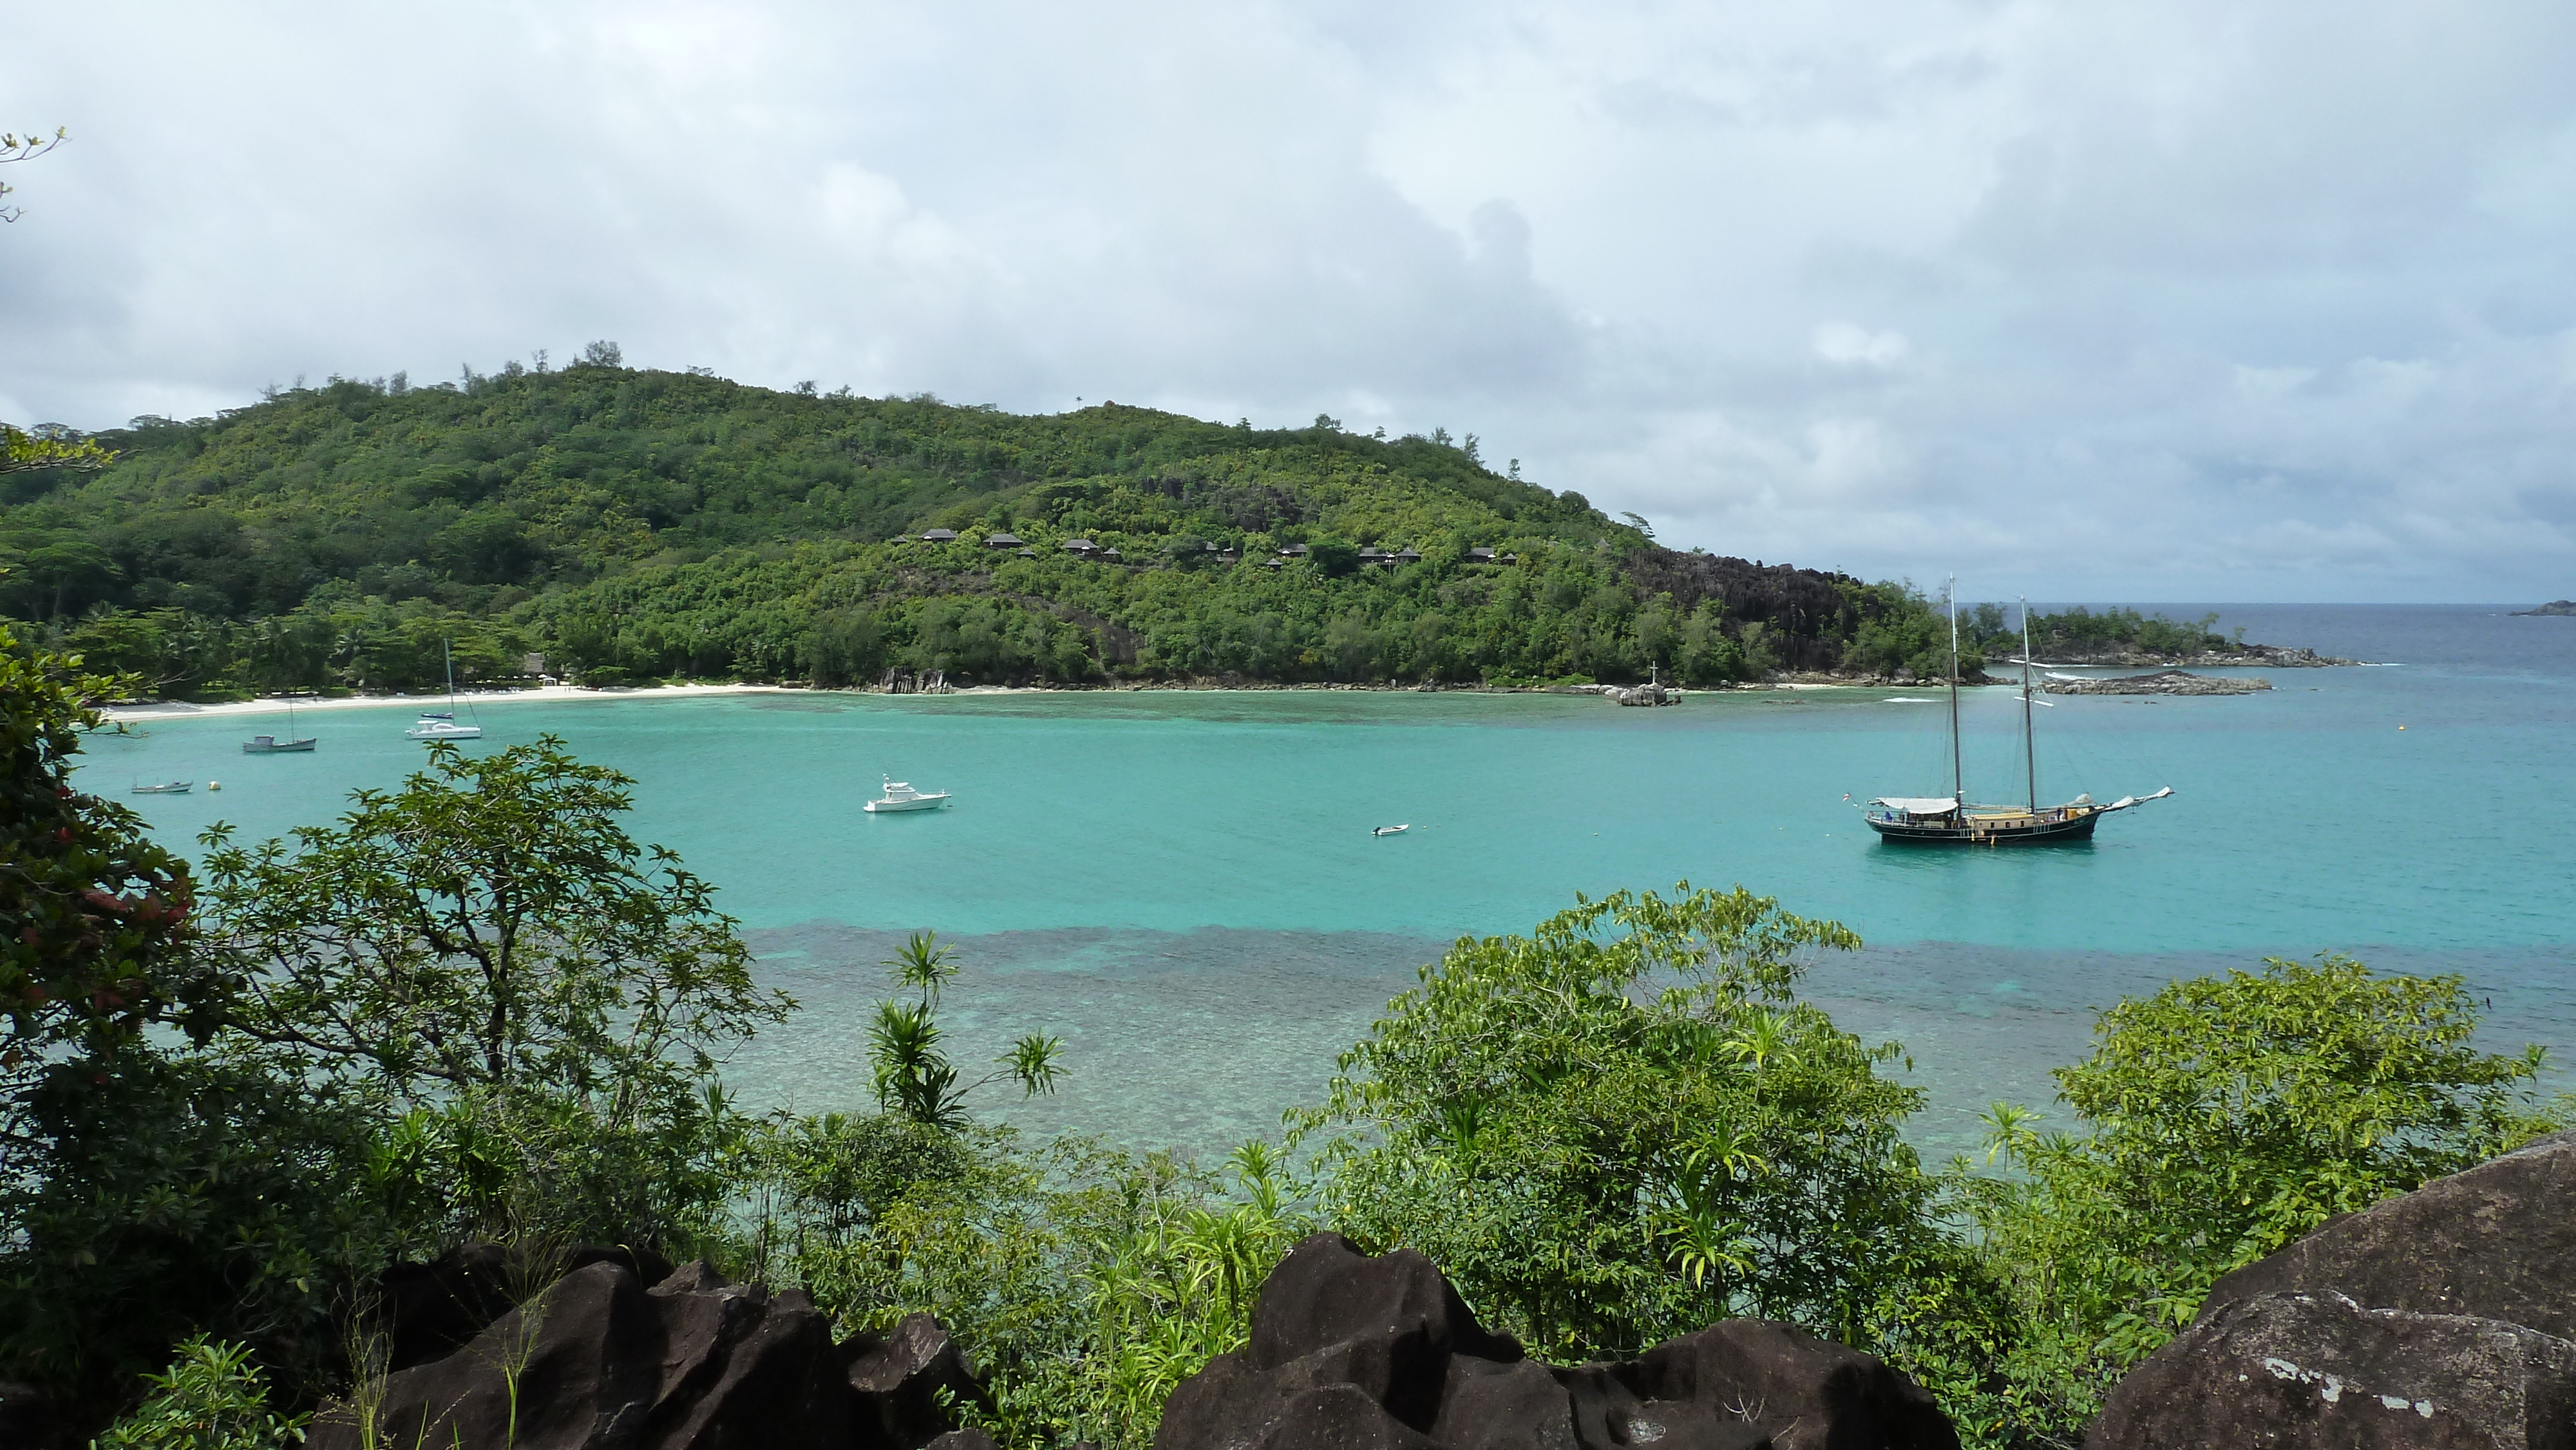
point(2029, 752)
point(1958, 772)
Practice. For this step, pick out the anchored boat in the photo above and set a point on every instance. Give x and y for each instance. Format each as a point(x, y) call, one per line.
point(441, 724)
point(1952, 821)
point(291, 745)
point(900, 796)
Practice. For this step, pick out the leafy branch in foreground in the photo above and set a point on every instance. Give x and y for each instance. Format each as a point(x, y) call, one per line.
point(14, 147)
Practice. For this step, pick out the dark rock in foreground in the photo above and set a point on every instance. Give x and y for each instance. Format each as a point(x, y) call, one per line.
point(1350, 1352)
point(426, 1311)
point(598, 1362)
point(2443, 1317)
point(2163, 682)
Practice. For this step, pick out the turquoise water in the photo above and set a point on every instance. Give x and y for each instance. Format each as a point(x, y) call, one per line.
point(1185, 885)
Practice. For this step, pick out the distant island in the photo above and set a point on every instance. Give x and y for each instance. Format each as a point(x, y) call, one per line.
point(605, 525)
point(2559, 608)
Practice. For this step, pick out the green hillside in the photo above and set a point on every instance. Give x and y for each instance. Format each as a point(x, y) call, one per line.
point(635, 524)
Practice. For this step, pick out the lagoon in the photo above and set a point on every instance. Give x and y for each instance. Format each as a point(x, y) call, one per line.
point(1184, 883)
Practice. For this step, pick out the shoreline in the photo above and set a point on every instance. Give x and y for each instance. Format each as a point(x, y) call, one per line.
point(143, 712)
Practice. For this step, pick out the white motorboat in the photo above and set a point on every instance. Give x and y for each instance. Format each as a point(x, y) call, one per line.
point(167, 787)
point(441, 724)
point(900, 796)
point(1391, 830)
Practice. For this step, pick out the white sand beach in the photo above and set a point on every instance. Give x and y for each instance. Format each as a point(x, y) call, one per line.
point(276, 705)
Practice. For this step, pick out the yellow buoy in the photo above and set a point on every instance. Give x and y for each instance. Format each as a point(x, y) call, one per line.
point(214, 785)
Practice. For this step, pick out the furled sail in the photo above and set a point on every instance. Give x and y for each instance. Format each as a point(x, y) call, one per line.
point(1939, 805)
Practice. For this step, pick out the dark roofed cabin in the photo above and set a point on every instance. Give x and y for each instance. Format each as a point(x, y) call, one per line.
point(1294, 551)
point(1080, 546)
point(1480, 556)
point(939, 536)
point(1003, 541)
point(1406, 555)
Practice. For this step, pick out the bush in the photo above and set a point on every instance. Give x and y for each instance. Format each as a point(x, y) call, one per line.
point(212, 1398)
point(1087, 1283)
point(1625, 1126)
point(2227, 1117)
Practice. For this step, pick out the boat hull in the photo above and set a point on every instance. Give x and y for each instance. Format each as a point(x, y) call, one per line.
point(265, 746)
point(461, 732)
point(917, 803)
point(2022, 832)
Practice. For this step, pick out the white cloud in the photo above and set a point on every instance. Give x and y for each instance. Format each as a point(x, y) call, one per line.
point(1850, 344)
point(2181, 299)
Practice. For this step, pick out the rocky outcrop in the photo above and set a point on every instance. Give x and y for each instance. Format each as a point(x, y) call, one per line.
point(426, 1311)
point(596, 1361)
point(2129, 656)
point(2556, 608)
point(1351, 1352)
point(2163, 682)
point(2443, 1317)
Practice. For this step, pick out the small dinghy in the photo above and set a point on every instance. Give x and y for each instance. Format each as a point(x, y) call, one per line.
point(1391, 830)
point(900, 796)
point(167, 787)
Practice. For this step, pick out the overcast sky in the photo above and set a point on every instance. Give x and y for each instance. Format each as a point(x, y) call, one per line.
point(2167, 300)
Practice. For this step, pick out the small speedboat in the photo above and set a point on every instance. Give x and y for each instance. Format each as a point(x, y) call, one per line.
point(1391, 830)
point(900, 796)
point(167, 787)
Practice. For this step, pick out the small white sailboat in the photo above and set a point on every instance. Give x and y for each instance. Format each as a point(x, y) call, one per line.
point(271, 745)
point(441, 724)
point(900, 796)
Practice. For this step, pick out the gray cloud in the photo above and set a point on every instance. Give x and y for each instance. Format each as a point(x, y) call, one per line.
point(2125, 300)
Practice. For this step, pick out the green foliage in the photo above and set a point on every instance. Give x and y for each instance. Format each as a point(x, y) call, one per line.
point(917, 1080)
point(92, 914)
point(2227, 1117)
point(2079, 632)
point(641, 525)
point(211, 1398)
point(488, 948)
point(1087, 1283)
point(153, 1196)
point(1625, 1126)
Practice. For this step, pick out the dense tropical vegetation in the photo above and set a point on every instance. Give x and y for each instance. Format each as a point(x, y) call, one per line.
point(474, 1007)
point(629, 524)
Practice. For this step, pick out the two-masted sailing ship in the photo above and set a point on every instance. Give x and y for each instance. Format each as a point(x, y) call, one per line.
point(1952, 821)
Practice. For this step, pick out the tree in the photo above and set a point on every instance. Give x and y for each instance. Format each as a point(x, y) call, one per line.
point(93, 916)
point(490, 936)
point(914, 1078)
point(1625, 1126)
point(150, 1188)
point(2227, 1116)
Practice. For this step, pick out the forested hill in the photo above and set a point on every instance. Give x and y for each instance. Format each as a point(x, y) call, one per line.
point(635, 524)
